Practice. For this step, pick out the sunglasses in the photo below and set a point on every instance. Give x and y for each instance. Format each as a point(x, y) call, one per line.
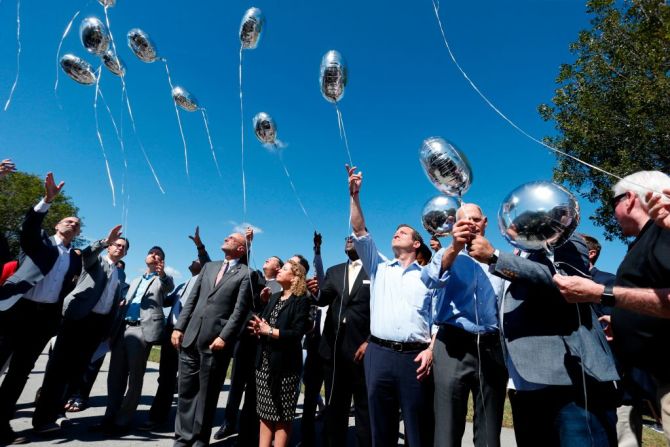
point(615, 201)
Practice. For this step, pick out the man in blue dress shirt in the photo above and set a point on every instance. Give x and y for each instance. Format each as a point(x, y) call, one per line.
point(467, 353)
point(398, 358)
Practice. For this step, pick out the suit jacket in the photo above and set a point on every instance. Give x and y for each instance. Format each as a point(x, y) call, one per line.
point(354, 316)
point(152, 319)
point(91, 285)
point(285, 352)
point(39, 253)
point(543, 336)
point(216, 310)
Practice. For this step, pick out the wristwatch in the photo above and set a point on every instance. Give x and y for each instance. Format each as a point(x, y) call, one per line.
point(494, 257)
point(607, 298)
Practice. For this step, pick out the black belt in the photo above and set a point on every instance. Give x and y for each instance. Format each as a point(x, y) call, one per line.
point(133, 322)
point(398, 345)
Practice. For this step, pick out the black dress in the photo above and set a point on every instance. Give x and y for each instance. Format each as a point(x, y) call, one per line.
point(276, 401)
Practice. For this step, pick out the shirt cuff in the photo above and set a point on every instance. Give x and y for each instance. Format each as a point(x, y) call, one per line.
point(42, 207)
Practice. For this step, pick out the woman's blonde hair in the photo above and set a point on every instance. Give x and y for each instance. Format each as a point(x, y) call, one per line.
point(298, 283)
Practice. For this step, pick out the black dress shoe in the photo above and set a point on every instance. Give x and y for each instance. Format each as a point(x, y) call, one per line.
point(9, 437)
point(225, 431)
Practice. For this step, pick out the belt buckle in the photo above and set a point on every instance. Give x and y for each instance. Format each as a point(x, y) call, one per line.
point(396, 346)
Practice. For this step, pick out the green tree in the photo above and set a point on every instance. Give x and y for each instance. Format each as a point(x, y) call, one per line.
point(612, 104)
point(18, 192)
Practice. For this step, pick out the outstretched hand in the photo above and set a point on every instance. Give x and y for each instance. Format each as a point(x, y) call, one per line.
point(196, 237)
point(113, 235)
point(355, 180)
point(51, 190)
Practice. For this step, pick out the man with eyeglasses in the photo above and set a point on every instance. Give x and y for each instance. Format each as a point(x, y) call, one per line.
point(640, 297)
point(88, 313)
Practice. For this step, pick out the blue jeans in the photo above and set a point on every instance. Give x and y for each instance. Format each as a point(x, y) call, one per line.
point(554, 416)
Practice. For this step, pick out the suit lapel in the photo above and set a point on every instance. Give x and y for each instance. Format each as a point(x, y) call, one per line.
point(230, 272)
point(357, 284)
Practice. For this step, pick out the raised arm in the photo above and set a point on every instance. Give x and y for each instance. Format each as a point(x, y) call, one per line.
point(357, 219)
point(203, 256)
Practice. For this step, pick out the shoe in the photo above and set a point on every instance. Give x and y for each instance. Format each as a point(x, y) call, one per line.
point(9, 437)
point(149, 425)
point(49, 427)
point(63, 421)
point(225, 431)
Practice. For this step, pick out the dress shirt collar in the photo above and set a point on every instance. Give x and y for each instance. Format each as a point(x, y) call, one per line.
point(396, 261)
point(59, 243)
point(149, 275)
point(357, 263)
point(231, 262)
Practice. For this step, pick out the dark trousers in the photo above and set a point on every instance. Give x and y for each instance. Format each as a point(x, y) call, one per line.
point(344, 380)
point(75, 345)
point(83, 387)
point(242, 375)
point(458, 372)
point(249, 420)
point(201, 375)
point(167, 380)
point(26, 329)
point(554, 417)
point(312, 378)
point(390, 377)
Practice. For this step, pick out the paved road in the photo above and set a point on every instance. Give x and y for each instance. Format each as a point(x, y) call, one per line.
point(78, 434)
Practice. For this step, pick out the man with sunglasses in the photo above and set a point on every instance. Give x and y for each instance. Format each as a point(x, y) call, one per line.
point(640, 297)
point(88, 313)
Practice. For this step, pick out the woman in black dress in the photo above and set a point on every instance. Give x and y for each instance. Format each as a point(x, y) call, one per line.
point(279, 359)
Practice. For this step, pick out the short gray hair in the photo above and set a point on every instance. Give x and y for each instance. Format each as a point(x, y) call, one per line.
point(642, 182)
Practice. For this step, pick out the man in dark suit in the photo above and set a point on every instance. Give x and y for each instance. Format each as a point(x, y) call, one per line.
point(31, 299)
point(346, 290)
point(212, 318)
point(556, 353)
point(141, 325)
point(88, 313)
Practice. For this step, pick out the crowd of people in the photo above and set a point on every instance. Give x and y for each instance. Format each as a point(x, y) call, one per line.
point(411, 337)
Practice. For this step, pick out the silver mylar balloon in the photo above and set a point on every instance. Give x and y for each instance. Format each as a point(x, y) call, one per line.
point(265, 128)
point(142, 46)
point(333, 76)
point(113, 63)
point(78, 69)
point(94, 35)
point(446, 166)
point(251, 28)
point(184, 99)
point(538, 216)
point(107, 3)
point(439, 215)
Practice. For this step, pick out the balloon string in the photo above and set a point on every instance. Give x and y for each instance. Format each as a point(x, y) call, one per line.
point(139, 141)
point(343, 133)
point(295, 191)
point(176, 110)
point(119, 137)
point(209, 138)
point(60, 45)
point(244, 181)
point(501, 114)
point(97, 131)
point(18, 53)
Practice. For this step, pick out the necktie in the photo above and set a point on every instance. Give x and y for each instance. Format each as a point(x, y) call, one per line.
point(224, 267)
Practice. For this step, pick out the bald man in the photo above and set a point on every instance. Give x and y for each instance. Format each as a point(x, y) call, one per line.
point(205, 334)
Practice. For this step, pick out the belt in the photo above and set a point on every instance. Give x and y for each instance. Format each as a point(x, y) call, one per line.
point(133, 322)
point(398, 345)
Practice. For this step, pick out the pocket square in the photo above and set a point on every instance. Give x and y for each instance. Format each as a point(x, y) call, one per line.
point(366, 282)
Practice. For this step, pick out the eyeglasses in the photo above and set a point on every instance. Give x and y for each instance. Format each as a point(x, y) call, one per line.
point(615, 201)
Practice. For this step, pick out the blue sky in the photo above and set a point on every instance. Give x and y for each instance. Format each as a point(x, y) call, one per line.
point(402, 89)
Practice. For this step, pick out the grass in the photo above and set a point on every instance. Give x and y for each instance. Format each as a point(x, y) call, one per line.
point(650, 438)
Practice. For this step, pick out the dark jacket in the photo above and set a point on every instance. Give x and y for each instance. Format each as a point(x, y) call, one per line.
point(216, 310)
point(39, 253)
point(285, 352)
point(352, 310)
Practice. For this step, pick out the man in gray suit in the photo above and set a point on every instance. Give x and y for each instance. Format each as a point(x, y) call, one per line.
point(205, 333)
point(556, 353)
point(88, 314)
point(141, 324)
